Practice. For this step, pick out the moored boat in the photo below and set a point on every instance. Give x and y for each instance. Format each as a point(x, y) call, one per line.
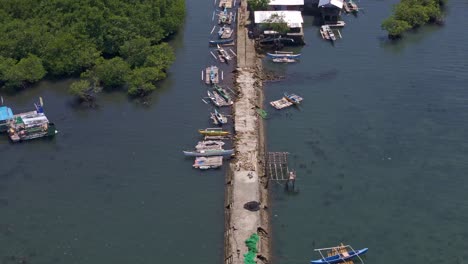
point(217, 99)
point(205, 163)
point(284, 55)
point(221, 41)
point(295, 99)
point(221, 91)
point(209, 144)
point(340, 256)
point(225, 32)
point(213, 132)
point(209, 152)
point(283, 60)
point(218, 118)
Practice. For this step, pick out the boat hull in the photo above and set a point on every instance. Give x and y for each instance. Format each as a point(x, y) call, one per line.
point(289, 56)
point(221, 41)
point(209, 153)
point(338, 258)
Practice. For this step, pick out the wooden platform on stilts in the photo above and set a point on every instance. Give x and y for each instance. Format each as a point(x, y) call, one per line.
point(277, 166)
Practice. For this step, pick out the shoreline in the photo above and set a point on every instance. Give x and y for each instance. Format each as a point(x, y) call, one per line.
point(246, 181)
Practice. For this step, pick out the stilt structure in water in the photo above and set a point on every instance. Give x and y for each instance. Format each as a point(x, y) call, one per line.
point(277, 170)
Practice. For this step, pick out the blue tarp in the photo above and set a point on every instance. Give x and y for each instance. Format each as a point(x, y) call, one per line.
point(5, 113)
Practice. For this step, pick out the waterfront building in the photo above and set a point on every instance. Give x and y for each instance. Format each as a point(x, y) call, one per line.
point(330, 10)
point(276, 5)
point(293, 20)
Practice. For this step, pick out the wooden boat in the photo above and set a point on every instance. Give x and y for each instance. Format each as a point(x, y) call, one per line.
point(224, 17)
point(284, 55)
point(295, 99)
point(351, 6)
point(209, 152)
point(221, 91)
point(213, 132)
point(218, 118)
point(225, 32)
point(209, 144)
point(217, 100)
point(340, 256)
point(221, 41)
point(327, 33)
point(205, 163)
point(211, 75)
point(224, 55)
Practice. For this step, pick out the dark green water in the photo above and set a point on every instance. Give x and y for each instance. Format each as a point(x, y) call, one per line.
point(113, 186)
point(379, 143)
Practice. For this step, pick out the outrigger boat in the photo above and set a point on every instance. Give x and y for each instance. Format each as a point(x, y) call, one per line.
point(223, 55)
point(224, 17)
point(295, 99)
point(211, 75)
point(225, 32)
point(288, 55)
point(209, 144)
point(339, 254)
point(205, 163)
point(221, 41)
point(350, 6)
point(283, 60)
point(209, 152)
point(217, 100)
point(213, 132)
point(221, 91)
point(218, 118)
point(327, 33)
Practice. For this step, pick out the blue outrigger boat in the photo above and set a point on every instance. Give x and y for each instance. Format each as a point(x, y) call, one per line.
point(221, 41)
point(339, 254)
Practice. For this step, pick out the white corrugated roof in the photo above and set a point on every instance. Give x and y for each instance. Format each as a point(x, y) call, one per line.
point(292, 18)
point(286, 2)
point(337, 3)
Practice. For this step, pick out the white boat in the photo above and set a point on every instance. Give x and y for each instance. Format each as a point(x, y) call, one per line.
point(218, 118)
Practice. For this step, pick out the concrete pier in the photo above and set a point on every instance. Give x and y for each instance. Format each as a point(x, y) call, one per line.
point(246, 181)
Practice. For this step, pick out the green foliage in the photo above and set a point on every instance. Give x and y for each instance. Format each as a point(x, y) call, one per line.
point(111, 73)
point(81, 89)
point(27, 70)
point(68, 37)
point(142, 80)
point(258, 4)
point(276, 23)
point(411, 14)
point(395, 27)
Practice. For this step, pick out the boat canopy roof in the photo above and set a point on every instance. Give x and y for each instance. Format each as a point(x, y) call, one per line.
point(31, 120)
point(5, 113)
point(292, 18)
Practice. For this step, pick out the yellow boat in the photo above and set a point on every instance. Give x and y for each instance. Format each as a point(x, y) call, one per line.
point(213, 132)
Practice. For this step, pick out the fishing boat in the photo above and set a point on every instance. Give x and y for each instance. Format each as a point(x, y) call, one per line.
point(225, 32)
point(224, 17)
point(217, 99)
point(218, 118)
point(223, 54)
point(351, 6)
point(221, 91)
point(327, 33)
point(295, 99)
point(211, 75)
point(205, 163)
point(30, 125)
point(209, 144)
point(221, 41)
point(213, 132)
point(338, 254)
point(209, 152)
point(6, 114)
point(288, 55)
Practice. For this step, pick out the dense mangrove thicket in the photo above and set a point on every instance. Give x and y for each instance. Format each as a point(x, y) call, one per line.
point(111, 43)
point(410, 14)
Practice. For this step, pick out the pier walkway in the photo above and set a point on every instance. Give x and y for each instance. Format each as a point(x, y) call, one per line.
point(244, 184)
